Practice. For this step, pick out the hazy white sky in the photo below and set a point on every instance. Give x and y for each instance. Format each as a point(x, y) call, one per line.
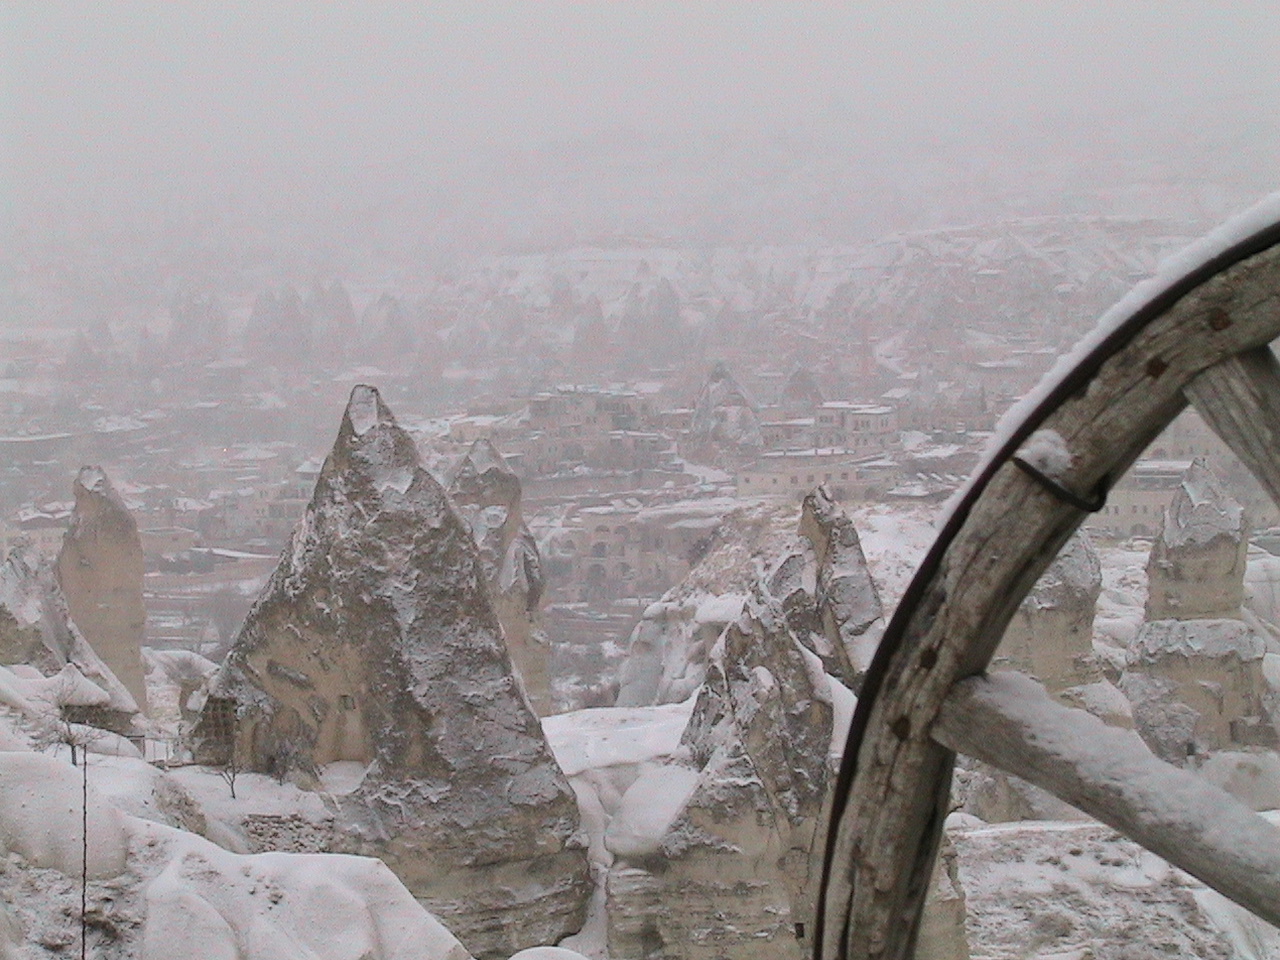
point(180, 84)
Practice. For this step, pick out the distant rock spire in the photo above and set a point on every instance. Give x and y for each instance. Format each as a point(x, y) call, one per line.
point(1197, 564)
point(724, 414)
point(801, 393)
point(486, 492)
point(845, 598)
point(100, 569)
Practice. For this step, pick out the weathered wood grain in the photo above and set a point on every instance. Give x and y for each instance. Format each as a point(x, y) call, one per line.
point(1010, 721)
point(887, 831)
point(1239, 399)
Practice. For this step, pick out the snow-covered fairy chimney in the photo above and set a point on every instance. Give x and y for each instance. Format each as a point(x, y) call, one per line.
point(375, 643)
point(1196, 568)
point(486, 492)
point(1051, 635)
point(100, 568)
point(1196, 672)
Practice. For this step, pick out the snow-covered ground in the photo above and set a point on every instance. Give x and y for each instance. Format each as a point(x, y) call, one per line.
point(157, 892)
point(894, 539)
point(1080, 891)
point(169, 849)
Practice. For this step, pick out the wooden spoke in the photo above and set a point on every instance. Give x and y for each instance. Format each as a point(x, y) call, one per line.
point(891, 796)
point(1240, 400)
point(1010, 721)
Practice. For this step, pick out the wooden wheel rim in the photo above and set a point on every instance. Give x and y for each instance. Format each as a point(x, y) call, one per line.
point(890, 797)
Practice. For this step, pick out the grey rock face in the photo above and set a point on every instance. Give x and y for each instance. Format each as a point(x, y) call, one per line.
point(730, 870)
point(670, 648)
point(375, 641)
point(814, 569)
point(849, 617)
point(36, 629)
point(736, 856)
point(1051, 635)
point(1197, 565)
point(1198, 686)
point(100, 568)
point(487, 494)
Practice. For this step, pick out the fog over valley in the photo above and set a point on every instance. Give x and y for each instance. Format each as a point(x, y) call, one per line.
point(458, 462)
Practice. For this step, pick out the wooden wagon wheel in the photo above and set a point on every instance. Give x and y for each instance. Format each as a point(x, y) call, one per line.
point(1200, 334)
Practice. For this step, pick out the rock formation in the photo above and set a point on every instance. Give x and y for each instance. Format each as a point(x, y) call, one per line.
point(487, 494)
point(735, 855)
point(1198, 686)
point(385, 330)
point(814, 568)
point(728, 830)
point(832, 604)
point(1195, 673)
point(100, 568)
point(279, 329)
point(374, 641)
point(1051, 634)
point(800, 394)
point(1197, 564)
point(36, 630)
point(669, 648)
point(333, 317)
point(723, 414)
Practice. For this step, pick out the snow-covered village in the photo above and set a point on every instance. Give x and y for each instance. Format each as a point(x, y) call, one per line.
point(673, 481)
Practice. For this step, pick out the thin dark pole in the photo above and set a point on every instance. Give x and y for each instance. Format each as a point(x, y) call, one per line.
point(84, 855)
